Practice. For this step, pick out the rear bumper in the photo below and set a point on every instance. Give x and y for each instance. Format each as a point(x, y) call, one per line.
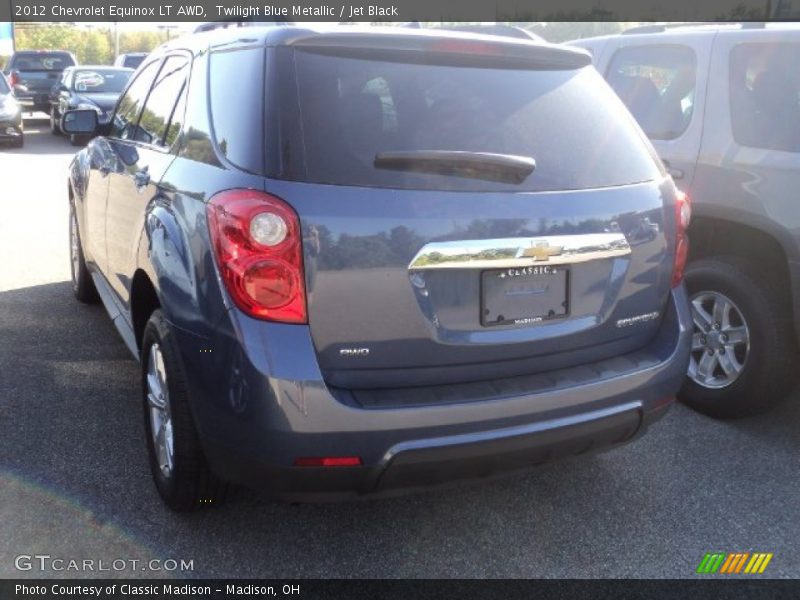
point(421, 464)
point(274, 408)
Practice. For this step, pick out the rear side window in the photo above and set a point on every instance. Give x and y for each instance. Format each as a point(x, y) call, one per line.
point(657, 84)
point(127, 115)
point(158, 111)
point(765, 96)
point(352, 109)
point(236, 83)
point(44, 61)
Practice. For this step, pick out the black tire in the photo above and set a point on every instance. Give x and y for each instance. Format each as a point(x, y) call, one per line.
point(190, 483)
point(82, 284)
point(78, 140)
point(768, 371)
point(55, 128)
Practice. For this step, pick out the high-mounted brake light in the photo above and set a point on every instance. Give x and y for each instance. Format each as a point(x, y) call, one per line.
point(467, 47)
point(683, 216)
point(258, 248)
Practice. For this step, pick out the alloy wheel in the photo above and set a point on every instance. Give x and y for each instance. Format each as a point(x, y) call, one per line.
point(160, 413)
point(720, 342)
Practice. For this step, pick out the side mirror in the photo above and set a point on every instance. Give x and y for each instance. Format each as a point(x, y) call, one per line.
point(80, 122)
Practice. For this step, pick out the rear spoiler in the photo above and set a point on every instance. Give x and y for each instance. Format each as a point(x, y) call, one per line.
point(416, 46)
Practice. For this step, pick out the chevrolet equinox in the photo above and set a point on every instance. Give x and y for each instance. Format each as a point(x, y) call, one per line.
point(363, 261)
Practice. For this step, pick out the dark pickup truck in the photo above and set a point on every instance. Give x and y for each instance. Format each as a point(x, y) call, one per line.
point(34, 72)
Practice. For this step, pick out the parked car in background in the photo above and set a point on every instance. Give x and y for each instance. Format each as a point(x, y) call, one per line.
point(11, 128)
point(375, 280)
point(93, 87)
point(37, 71)
point(130, 60)
point(721, 104)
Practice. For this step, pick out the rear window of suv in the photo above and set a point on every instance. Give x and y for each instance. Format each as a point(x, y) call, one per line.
point(352, 109)
point(41, 61)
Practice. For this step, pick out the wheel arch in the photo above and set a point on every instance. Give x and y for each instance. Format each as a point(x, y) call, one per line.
point(78, 176)
point(144, 300)
point(165, 275)
point(713, 235)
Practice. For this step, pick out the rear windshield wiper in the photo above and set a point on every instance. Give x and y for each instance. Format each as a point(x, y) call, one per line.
point(506, 168)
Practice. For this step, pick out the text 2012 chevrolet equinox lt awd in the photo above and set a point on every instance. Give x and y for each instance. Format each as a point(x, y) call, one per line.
point(360, 261)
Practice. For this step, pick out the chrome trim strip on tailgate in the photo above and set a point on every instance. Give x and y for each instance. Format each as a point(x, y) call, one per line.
point(520, 252)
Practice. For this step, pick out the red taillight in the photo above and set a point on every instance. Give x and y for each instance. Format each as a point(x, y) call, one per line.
point(13, 79)
point(258, 248)
point(328, 461)
point(683, 216)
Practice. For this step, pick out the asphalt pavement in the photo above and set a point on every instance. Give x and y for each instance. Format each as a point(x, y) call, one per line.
point(74, 482)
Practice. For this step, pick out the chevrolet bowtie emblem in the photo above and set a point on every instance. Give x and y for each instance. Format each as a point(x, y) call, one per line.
point(540, 252)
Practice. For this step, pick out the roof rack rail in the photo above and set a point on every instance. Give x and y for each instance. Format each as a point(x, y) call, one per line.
point(662, 27)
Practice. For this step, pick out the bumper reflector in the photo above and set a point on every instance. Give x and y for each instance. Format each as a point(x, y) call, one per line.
point(328, 461)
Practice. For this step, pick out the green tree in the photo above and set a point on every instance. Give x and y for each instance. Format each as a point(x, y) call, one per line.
point(138, 41)
point(90, 45)
point(95, 49)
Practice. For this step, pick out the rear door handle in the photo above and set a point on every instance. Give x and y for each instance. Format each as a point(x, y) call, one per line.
point(674, 173)
point(141, 179)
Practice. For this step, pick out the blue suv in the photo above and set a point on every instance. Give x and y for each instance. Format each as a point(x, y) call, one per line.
point(363, 261)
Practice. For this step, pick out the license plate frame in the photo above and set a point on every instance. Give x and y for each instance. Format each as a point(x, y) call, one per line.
point(524, 296)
